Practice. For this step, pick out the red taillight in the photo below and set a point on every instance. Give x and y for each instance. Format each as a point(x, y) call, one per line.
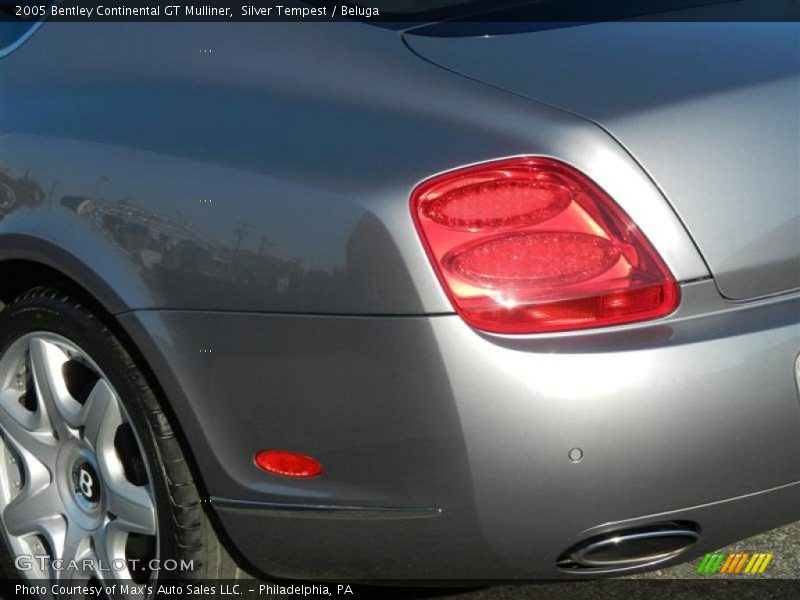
point(288, 464)
point(529, 245)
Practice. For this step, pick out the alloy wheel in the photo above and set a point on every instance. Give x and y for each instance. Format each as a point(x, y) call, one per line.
point(76, 495)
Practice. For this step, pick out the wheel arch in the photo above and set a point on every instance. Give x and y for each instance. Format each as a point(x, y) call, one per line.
point(27, 261)
point(19, 274)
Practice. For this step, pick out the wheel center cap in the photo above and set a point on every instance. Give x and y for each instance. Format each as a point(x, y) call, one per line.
point(80, 485)
point(85, 483)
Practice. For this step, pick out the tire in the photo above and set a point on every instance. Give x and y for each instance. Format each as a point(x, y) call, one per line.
point(43, 321)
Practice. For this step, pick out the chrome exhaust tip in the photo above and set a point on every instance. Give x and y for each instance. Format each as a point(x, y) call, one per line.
point(630, 548)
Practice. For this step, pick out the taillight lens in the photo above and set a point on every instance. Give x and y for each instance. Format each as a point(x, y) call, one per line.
point(529, 245)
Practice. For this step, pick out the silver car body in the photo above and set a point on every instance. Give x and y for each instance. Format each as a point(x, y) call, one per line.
point(281, 165)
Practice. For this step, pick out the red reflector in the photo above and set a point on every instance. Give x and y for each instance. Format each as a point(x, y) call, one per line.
point(288, 464)
point(530, 245)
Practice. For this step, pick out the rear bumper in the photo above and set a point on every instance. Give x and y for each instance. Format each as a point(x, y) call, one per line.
point(391, 546)
point(446, 451)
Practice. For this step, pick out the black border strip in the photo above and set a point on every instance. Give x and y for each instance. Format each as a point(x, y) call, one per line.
point(315, 511)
